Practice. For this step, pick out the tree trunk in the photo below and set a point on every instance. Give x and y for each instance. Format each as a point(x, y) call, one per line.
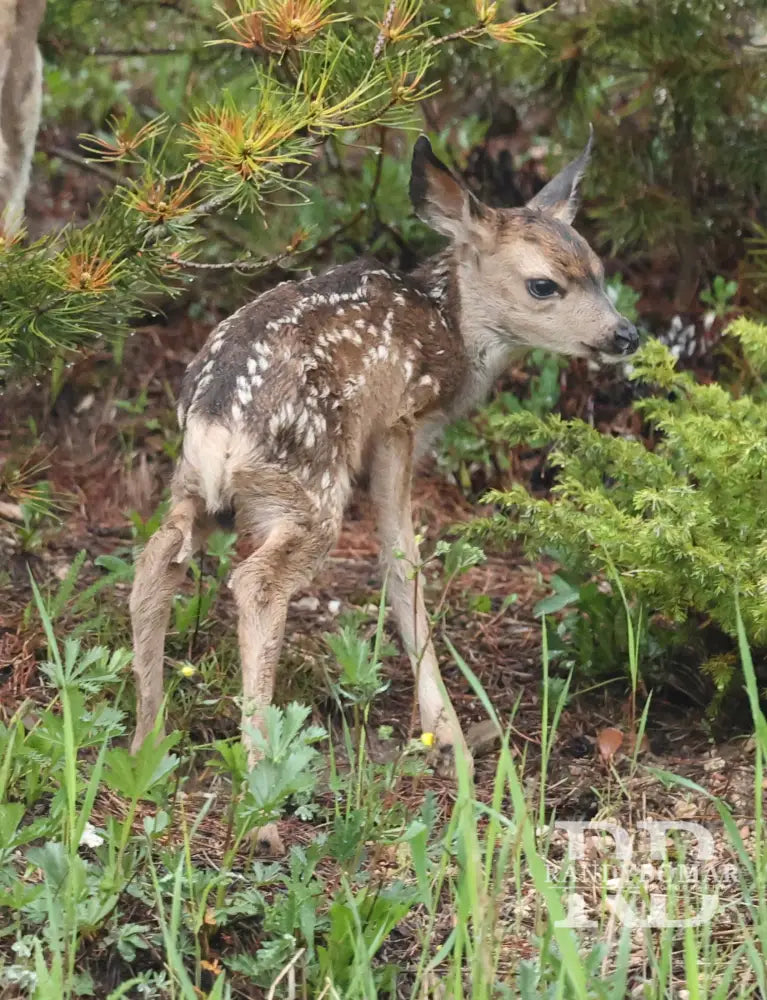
point(21, 87)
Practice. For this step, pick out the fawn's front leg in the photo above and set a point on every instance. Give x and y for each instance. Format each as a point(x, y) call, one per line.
point(390, 490)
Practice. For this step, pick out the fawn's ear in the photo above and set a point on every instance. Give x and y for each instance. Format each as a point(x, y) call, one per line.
point(439, 198)
point(560, 198)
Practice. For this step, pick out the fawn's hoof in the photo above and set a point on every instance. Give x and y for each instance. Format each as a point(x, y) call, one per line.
point(138, 740)
point(442, 759)
point(267, 840)
point(484, 737)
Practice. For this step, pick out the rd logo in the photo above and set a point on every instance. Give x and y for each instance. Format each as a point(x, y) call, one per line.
point(655, 911)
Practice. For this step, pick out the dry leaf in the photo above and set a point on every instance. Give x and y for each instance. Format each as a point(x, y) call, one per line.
point(685, 809)
point(608, 743)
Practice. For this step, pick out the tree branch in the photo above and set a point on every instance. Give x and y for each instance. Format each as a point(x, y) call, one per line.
point(83, 163)
point(385, 25)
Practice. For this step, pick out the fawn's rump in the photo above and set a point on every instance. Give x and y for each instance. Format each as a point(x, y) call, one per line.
point(226, 469)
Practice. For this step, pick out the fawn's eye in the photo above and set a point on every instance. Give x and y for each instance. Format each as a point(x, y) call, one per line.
point(542, 288)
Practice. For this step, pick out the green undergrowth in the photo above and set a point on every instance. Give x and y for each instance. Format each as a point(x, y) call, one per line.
point(138, 876)
point(678, 515)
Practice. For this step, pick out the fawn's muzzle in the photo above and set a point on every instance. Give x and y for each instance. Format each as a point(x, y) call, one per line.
point(626, 338)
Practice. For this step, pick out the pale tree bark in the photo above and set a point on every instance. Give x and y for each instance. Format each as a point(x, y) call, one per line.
point(21, 87)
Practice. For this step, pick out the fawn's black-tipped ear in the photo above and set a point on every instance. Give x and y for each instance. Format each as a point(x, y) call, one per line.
point(560, 198)
point(439, 198)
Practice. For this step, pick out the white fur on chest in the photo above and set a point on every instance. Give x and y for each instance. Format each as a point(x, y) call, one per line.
point(488, 359)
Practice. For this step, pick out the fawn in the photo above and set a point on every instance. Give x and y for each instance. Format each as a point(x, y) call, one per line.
point(348, 375)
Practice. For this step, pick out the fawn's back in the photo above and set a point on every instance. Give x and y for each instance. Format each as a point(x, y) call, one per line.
point(302, 379)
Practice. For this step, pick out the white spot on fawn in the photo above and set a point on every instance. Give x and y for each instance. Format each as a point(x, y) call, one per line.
point(388, 322)
point(244, 391)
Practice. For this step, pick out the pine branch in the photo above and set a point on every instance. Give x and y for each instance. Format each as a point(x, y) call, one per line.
point(83, 163)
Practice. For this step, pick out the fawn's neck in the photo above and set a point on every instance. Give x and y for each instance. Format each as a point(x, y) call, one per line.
point(454, 288)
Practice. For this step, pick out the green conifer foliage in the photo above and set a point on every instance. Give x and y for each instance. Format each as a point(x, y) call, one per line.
point(253, 91)
point(683, 524)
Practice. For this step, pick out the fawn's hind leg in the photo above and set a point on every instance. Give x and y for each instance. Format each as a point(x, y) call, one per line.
point(263, 584)
point(160, 569)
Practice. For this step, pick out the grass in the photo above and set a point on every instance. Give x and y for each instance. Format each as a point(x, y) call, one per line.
point(137, 877)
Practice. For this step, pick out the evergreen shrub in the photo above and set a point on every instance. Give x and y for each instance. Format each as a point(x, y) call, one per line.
point(682, 521)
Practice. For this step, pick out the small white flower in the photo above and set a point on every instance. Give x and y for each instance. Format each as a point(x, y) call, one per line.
point(334, 607)
point(23, 947)
point(90, 837)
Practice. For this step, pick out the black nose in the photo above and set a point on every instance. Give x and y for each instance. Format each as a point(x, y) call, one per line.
point(626, 337)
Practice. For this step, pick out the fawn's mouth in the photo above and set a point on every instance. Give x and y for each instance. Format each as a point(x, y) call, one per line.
point(604, 355)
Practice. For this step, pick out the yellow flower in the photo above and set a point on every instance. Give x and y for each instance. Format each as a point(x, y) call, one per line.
point(427, 739)
point(187, 670)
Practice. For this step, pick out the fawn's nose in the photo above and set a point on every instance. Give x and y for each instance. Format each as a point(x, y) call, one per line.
point(626, 337)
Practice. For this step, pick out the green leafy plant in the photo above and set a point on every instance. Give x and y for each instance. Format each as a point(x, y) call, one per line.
point(587, 634)
point(83, 891)
point(720, 295)
point(287, 766)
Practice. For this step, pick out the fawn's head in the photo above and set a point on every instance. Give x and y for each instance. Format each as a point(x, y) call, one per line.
point(525, 274)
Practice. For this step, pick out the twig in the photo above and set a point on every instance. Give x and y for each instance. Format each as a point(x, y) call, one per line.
point(385, 25)
point(216, 201)
point(473, 30)
point(263, 265)
point(287, 970)
point(130, 53)
point(192, 168)
point(84, 164)
point(237, 265)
